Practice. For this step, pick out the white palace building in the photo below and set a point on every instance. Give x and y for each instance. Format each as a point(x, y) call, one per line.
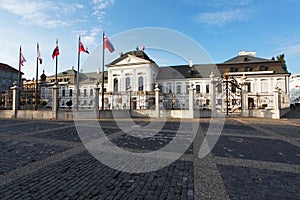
point(131, 79)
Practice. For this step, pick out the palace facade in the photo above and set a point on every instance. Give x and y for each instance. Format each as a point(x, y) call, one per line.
point(130, 80)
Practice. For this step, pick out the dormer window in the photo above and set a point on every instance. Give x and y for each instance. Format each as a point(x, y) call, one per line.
point(248, 69)
point(233, 69)
point(263, 68)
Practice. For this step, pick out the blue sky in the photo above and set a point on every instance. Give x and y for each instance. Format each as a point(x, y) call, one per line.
point(222, 28)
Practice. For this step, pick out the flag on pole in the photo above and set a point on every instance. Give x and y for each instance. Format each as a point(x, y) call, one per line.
point(56, 50)
point(22, 58)
point(143, 48)
point(108, 45)
point(82, 48)
point(39, 54)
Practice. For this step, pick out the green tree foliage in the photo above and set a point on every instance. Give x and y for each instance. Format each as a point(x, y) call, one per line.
point(282, 61)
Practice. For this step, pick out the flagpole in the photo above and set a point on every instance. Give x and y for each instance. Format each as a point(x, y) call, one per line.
point(102, 85)
point(19, 74)
point(36, 76)
point(77, 80)
point(56, 61)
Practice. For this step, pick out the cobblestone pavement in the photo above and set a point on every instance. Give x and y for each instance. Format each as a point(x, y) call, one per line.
point(253, 159)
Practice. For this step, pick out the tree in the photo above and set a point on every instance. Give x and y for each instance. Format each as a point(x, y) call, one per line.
point(282, 61)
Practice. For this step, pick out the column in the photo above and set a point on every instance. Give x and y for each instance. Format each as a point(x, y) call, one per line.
point(212, 90)
point(157, 100)
point(55, 101)
point(15, 102)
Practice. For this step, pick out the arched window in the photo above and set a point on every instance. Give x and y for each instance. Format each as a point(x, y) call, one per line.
point(116, 85)
point(141, 83)
point(127, 83)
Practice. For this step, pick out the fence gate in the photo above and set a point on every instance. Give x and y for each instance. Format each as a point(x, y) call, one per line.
point(229, 96)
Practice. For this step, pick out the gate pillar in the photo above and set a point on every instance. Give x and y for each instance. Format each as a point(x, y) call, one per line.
point(212, 90)
point(157, 114)
point(96, 107)
point(244, 106)
point(55, 101)
point(15, 102)
point(191, 99)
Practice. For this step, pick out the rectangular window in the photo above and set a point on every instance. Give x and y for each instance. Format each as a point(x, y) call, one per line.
point(207, 88)
point(169, 88)
point(91, 92)
point(197, 88)
point(187, 88)
point(264, 87)
point(84, 92)
point(178, 89)
point(63, 92)
point(219, 88)
point(71, 92)
point(248, 87)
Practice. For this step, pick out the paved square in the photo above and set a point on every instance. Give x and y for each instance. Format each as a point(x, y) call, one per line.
point(253, 159)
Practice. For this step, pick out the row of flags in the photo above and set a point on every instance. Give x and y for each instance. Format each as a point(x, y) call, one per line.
point(81, 48)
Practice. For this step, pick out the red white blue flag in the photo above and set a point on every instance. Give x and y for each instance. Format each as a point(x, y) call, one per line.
point(108, 45)
point(82, 48)
point(39, 54)
point(22, 58)
point(55, 51)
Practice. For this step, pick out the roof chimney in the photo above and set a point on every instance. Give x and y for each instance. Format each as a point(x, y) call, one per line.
point(247, 53)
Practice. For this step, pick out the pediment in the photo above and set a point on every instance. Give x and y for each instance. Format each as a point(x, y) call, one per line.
point(130, 60)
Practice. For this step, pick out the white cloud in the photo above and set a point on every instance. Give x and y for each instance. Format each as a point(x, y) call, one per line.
point(222, 18)
point(92, 38)
point(290, 50)
point(41, 13)
point(100, 6)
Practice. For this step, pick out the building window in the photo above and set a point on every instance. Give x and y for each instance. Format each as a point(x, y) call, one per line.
point(91, 102)
point(141, 84)
point(219, 88)
point(84, 92)
point(127, 83)
point(169, 88)
point(197, 88)
point(233, 88)
point(71, 92)
point(178, 88)
point(233, 69)
point(91, 92)
point(207, 88)
point(116, 85)
point(63, 92)
point(248, 86)
point(187, 88)
point(84, 102)
point(264, 87)
point(248, 69)
point(263, 68)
